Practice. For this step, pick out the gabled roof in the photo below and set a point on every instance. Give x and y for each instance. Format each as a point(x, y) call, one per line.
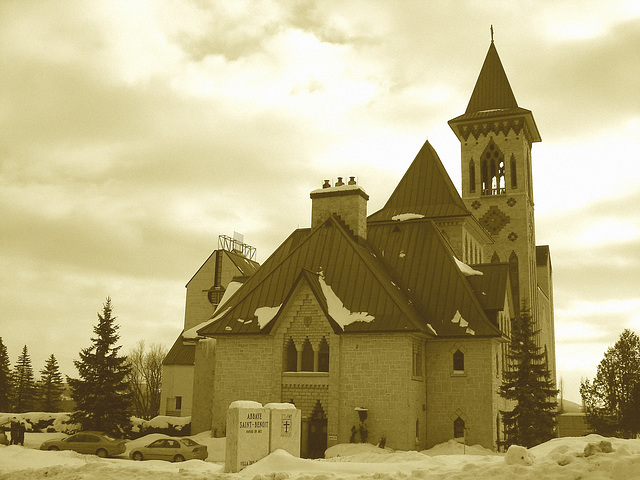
point(349, 267)
point(424, 265)
point(492, 286)
point(180, 353)
point(425, 189)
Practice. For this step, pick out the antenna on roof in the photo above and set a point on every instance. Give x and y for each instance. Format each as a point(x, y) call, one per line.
point(491, 33)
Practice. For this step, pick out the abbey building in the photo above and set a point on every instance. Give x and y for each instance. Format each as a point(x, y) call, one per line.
point(388, 325)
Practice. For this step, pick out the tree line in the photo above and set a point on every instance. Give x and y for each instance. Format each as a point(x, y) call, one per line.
point(110, 388)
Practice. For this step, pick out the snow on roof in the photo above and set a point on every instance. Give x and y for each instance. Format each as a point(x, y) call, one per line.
point(266, 314)
point(337, 310)
point(192, 333)
point(466, 270)
point(232, 288)
point(406, 216)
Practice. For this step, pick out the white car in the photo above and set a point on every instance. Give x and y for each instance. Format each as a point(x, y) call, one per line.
point(171, 449)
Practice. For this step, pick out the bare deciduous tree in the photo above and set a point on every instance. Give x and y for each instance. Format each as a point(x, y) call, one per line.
point(146, 378)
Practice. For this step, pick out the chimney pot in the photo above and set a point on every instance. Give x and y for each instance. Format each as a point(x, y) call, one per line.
point(352, 180)
point(339, 183)
point(326, 184)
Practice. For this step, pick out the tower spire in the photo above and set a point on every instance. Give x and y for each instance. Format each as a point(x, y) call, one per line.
point(491, 33)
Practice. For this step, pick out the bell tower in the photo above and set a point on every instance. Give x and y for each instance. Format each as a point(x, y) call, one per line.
point(496, 137)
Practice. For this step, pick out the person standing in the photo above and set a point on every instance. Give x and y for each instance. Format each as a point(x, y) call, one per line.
point(14, 431)
point(21, 429)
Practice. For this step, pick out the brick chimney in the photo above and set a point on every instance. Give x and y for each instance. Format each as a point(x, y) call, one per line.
point(348, 200)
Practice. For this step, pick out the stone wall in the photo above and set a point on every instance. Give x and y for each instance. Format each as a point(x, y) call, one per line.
point(245, 366)
point(203, 385)
point(376, 374)
point(470, 394)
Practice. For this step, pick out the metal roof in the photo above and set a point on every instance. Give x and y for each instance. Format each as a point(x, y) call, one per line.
point(492, 89)
point(348, 265)
point(181, 353)
point(492, 97)
point(491, 286)
point(425, 189)
point(424, 264)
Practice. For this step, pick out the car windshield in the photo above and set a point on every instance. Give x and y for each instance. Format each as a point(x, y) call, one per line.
point(108, 437)
point(188, 442)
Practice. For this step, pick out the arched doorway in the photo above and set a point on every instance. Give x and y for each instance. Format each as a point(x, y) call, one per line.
point(317, 436)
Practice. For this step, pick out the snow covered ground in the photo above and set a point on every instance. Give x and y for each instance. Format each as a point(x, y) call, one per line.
point(590, 457)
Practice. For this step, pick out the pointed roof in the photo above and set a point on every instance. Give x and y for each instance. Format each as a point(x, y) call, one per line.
point(351, 269)
point(425, 189)
point(492, 96)
point(492, 90)
point(425, 266)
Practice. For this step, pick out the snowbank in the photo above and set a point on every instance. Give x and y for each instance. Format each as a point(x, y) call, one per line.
point(590, 457)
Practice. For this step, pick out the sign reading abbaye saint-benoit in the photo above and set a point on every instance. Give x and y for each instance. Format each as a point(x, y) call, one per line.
point(247, 435)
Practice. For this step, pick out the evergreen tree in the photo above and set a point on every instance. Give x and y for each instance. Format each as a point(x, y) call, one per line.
point(528, 384)
point(102, 392)
point(612, 400)
point(24, 384)
point(50, 386)
point(6, 384)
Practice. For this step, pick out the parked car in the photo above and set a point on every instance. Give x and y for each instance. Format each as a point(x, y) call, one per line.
point(98, 443)
point(171, 449)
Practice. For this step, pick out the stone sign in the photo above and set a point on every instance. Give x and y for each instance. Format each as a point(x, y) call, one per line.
point(247, 435)
point(285, 427)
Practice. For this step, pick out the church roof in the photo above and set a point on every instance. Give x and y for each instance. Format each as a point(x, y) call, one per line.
point(493, 97)
point(425, 189)
point(180, 353)
point(492, 90)
point(491, 286)
point(350, 268)
point(425, 267)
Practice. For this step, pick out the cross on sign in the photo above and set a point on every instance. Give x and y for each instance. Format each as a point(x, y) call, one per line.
point(286, 425)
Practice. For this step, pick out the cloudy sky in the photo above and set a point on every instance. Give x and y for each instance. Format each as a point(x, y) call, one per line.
point(133, 133)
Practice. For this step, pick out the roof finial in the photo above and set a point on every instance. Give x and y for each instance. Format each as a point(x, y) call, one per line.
point(491, 33)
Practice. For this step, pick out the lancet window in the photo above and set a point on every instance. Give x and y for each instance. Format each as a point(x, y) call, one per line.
point(492, 170)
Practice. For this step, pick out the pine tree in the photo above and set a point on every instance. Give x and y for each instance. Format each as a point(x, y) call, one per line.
point(6, 383)
point(102, 392)
point(612, 400)
point(50, 386)
point(528, 384)
point(24, 384)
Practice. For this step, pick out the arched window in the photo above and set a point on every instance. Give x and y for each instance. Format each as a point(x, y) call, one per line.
point(514, 173)
point(307, 357)
point(290, 357)
point(492, 170)
point(472, 176)
point(458, 361)
point(495, 258)
point(458, 428)
point(323, 356)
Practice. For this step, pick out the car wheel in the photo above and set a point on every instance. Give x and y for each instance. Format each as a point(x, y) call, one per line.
point(137, 456)
point(102, 453)
point(53, 448)
point(178, 458)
